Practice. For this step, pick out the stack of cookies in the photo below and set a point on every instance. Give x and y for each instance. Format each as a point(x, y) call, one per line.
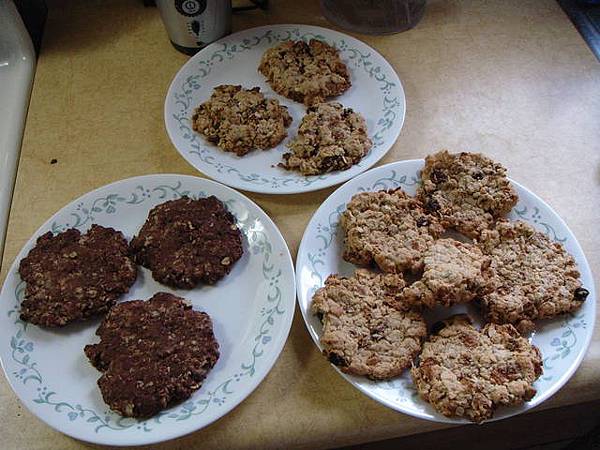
point(153, 353)
point(449, 245)
point(330, 137)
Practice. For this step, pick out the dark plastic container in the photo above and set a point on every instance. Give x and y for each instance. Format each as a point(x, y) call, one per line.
point(374, 16)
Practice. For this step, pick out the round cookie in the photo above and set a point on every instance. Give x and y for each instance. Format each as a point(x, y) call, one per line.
point(467, 190)
point(329, 138)
point(454, 272)
point(463, 372)
point(240, 120)
point(535, 277)
point(366, 329)
point(185, 242)
point(153, 354)
point(389, 228)
point(307, 73)
point(72, 276)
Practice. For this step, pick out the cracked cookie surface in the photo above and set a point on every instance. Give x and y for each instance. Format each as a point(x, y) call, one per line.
point(72, 276)
point(388, 228)
point(367, 330)
point(153, 353)
point(535, 277)
point(467, 190)
point(463, 372)
point(454, 272)
point(240, 120)
point(305, 72)
point(329, 138)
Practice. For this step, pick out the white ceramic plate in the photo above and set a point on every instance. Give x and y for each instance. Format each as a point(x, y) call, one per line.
point(251, 308)
point(376, 93)
point(562, 341)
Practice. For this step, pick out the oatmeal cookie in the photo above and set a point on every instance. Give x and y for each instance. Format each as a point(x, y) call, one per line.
point(329, 138)
point(535, 277)
point(185, 242)
point(455, 272)
point(468, 373)
point(240, 120)
point(306, 73)
point(72, 276)
point(467, 190)
point(367, 330)
point(389, 228)
point(153, 354)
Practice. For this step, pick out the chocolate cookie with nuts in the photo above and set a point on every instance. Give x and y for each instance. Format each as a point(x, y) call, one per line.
point(186, 241)
point(72, 276)
point(153, 353)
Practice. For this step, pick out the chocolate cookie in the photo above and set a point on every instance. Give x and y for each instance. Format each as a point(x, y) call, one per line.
point(535, 277)
point(153, 353)
point(72, 276)
point(389, 228)
point(307, 73)
point(184, 242)
point(468, 373)
point(240, 120)
point(329, 138)
point(367, 330)
point(467, 190)
point(454, 272)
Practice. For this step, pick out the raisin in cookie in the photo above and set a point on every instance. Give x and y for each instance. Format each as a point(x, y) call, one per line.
point(367, 330)
point(467, 190)
point(72, 276)
point(389, 228)
point(240, 120)
point(535, 277)
point(454, 272)
point(329, 138)
point(153, 354)
point(185, 242)
point(468, 373)
point(307, 73)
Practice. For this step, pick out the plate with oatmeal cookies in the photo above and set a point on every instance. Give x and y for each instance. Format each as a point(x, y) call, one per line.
point(122, 321)
point(284, 109)
point(445, 290)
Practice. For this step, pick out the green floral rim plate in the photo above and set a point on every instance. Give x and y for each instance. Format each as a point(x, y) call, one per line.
point(252, 310)
point(563, 341)
point(376, 93)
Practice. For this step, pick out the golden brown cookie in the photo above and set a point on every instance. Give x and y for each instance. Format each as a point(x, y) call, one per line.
point(367, 330)
point(463, 372)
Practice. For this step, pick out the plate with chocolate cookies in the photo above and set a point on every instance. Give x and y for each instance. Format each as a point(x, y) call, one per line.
point(285, 109)
point(445, 290)
point(146, 309)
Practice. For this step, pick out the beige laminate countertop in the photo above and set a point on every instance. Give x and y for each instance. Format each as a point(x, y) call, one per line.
point(513, 79)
